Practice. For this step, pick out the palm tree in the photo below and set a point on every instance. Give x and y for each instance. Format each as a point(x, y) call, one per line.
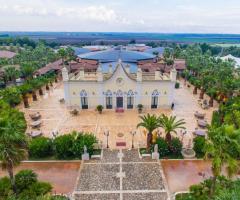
point(220, 140)
point(150, 122)
point(27, 71)
point(11, 73)
point(13, 141)
point(170, 124)
point(63, 54)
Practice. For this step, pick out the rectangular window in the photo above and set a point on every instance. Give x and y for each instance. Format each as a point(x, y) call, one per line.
point(154, 103)
point(84, 102)
point(109, 102)
point(130, 102)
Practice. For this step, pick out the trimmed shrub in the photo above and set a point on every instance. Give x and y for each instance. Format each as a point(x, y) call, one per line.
point(5, 187)
point(199, 143)
point(162, 147)
point(63, 146)
point(27, 194)
point(175, 146)
point(177, 85)
point(40, 147)
point(24, 179)
point(40, 188)
point(81, 139)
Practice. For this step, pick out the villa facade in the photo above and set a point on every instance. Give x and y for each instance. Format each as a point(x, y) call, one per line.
point(118, 88)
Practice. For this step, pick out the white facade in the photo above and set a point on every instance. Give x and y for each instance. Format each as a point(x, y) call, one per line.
point(119, 89)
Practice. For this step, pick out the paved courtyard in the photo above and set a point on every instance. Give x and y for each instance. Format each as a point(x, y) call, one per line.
point(121, 175)
point(56, 117)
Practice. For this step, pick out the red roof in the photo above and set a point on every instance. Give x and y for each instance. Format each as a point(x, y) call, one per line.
point(6, 54)
point(56, 66)
point(180, 64)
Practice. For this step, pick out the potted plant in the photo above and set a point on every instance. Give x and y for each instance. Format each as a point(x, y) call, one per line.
point(100, 109)
point(140, 108)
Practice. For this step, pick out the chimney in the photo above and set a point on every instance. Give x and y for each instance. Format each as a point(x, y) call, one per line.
point(65, 74)
point(139, 75)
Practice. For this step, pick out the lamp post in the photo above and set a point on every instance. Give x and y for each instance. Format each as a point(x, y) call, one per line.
point(133, 133)
point(106, 133)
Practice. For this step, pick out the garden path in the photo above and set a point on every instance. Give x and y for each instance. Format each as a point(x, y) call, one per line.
point(121, 175)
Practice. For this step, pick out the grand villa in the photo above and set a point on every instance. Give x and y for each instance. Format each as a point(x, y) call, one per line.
point(118, 82)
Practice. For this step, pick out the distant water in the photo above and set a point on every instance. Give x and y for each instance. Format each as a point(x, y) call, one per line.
point(175, 37)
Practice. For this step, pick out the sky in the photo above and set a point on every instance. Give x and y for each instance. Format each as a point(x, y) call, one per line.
point(171, 16)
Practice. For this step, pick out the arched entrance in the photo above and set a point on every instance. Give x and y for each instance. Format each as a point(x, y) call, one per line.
point(119, 99)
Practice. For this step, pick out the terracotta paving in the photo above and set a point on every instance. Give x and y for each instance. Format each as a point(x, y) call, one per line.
point(56, 117)
point(61, 175)
point(181, 174)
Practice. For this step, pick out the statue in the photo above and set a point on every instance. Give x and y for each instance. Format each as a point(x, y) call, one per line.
point(155, 154)
point(85, 155)
point(155, 148)
point(85, 149)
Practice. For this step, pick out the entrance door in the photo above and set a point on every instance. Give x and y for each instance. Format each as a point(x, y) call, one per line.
point(119, 102)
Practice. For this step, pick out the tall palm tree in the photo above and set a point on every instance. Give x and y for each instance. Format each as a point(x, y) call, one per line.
point(150, 122)
point(220, 140)
point(11, 73)
point(170, 124)
point(63, 54)
point(13, 142)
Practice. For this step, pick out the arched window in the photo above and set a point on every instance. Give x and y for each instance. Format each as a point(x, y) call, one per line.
point(84, 99)
point(119, 93)
point(119, 99)
point(130, 99)
point(109, 99)
point(154, 103)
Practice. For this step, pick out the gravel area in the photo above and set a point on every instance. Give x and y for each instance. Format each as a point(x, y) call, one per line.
point(98, 197)
point(95, 177)
point(110, 156)
point(141, 176)
point(144, 196)
point(131, 156)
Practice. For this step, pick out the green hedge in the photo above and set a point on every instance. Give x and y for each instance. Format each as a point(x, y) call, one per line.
point(63, 146)
point(40, 147)
point(198, 146)
point(162, 147)
point(68, 146)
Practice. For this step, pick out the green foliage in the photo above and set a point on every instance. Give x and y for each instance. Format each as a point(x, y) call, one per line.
point(40, 188)
point(175, 147)
point(40, 147)
point(24, 179)
point(177, 85)
point(5, 187)
point(80, 140)
point(216, 119)
point(63, 146)
point(11, 95)
point(170, 124)
point(99, 108)
point(163, 149)
point(225, 190)
point(199, 145)
point(150, 122)
point(28, 187)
